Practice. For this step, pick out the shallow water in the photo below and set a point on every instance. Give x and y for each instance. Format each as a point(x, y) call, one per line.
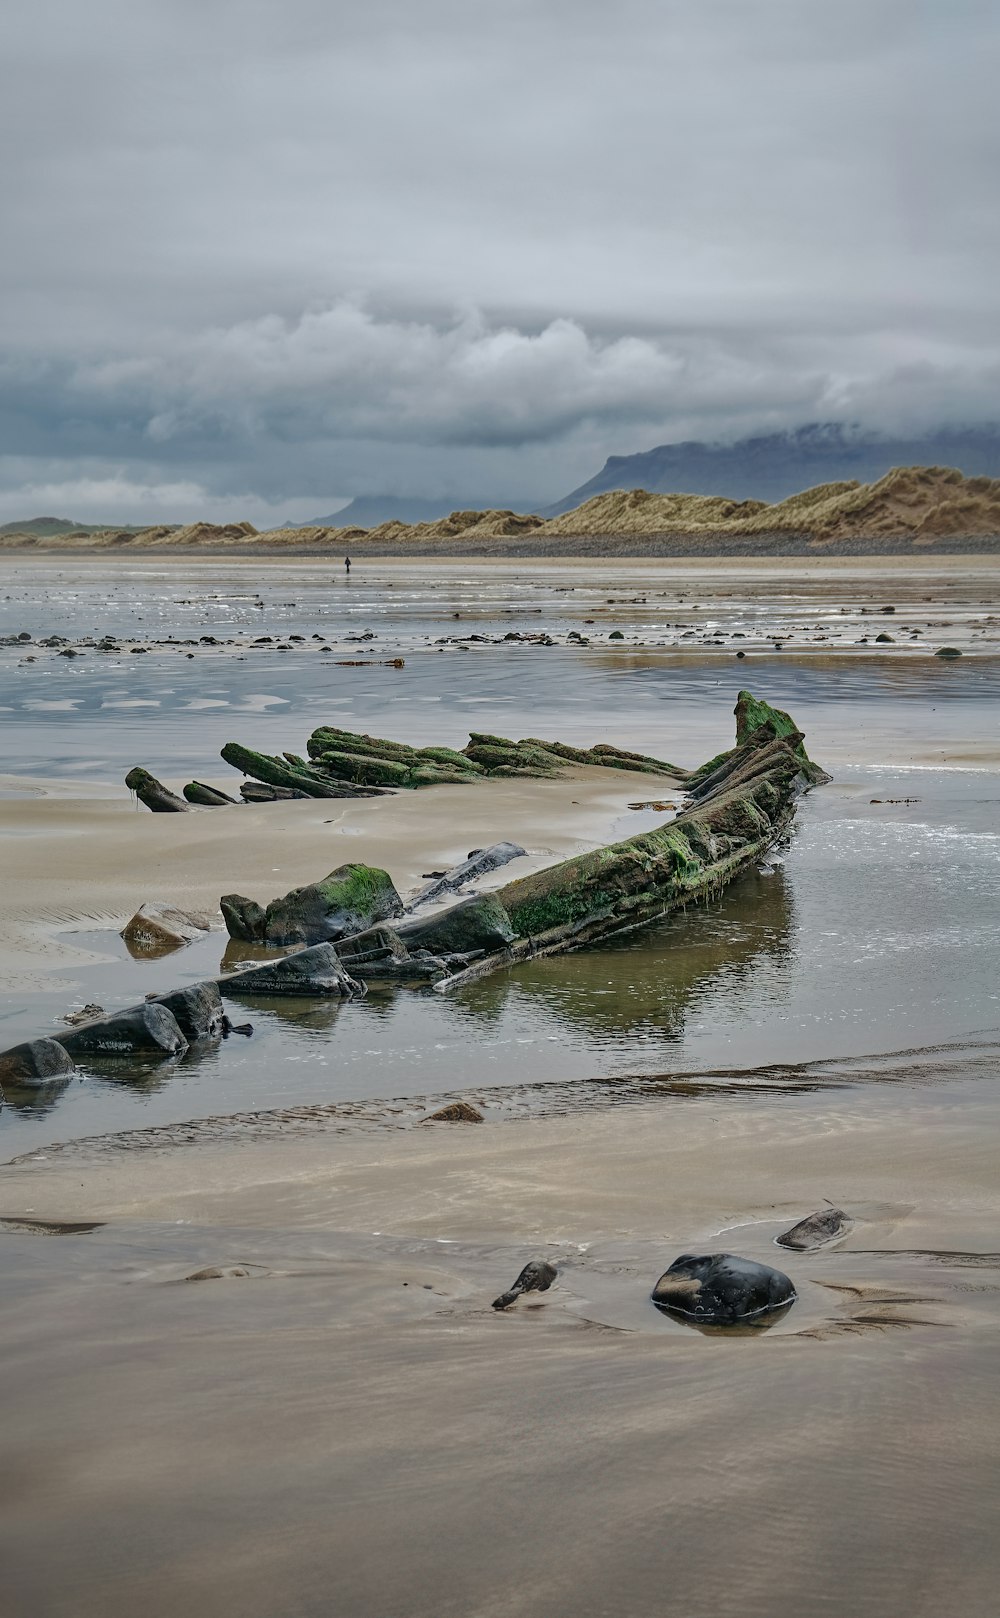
point(875, 929)
point(348, 1426)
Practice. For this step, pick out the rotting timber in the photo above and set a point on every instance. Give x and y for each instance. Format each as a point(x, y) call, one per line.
point(740, 804)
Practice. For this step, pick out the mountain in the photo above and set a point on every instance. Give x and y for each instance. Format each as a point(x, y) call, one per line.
point(777, 465)
point(371, 510)
point(44, 525)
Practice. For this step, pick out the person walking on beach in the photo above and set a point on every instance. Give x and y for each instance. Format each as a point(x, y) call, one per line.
point(347, 564)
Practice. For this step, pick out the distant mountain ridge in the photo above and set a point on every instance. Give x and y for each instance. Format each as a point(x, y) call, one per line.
point(777, 465)
point(372, 510)
point(44, 526)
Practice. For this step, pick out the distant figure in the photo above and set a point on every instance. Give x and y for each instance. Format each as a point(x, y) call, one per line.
point(347, 564)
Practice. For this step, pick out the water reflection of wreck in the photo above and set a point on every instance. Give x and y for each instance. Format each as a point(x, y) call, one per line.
point(644, 983)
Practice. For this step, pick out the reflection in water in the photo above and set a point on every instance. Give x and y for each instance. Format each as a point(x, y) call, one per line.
point(876, 932)
point(642, 984)
point(750, 1326)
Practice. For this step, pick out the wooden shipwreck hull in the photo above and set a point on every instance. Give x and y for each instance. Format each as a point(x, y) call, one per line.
point(740, 805)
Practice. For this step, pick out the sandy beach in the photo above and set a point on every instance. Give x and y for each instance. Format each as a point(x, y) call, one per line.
point(334, 1419)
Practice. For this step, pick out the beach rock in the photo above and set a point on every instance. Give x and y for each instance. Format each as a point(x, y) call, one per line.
point(158, 927)
point(537, 1276)
point(457, 1112)
point(149, 1029)
point(350, 899)
point(197, 1009)
point(244, 918)
point(153, 793)
point(720, 1289)
point(312, 973)
point(36, 1062)
point(479, 923)
point(947, 651)
point(816, 1230)
point(476, 865)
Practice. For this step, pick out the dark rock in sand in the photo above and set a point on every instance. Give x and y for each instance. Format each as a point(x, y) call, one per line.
point(720, 1289)
point(158, 927)
point(197, 1009)
point(537, 1276)
point(149, 1029)
point(816, 1230)
point(36, 1062)
point(313, 973)
point(474, 924)
point(947, 651)
point(244, 918)
point(457, 1112)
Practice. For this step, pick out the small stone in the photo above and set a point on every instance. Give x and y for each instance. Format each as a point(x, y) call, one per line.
point(158, 927)
point(457, 1112)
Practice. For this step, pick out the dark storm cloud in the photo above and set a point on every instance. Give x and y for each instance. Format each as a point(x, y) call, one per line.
point(265, 256)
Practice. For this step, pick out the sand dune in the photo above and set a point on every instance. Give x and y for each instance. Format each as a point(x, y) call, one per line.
point(916, 504)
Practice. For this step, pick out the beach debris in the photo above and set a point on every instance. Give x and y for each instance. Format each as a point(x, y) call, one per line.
point(380, 953)
point(479, 923)
point(721, 1289)
point(361, 758)
point(86, 1013)
point(315, 973)
point(208, 797)
point(349, 900)
point(154, 794)
point(345, 764)
point(537, 1276)
point(230, 1027)
point(476, 864)
point(816, 1230)
point(139, 1030)
point(244, 918)
point(288, 771)
point(257, 792)
point(742, 803)
point(456, 1112)
point(215, 1272)
point(197, 1009)
point(661, 805)
point(159, 927)
point(34, 1063)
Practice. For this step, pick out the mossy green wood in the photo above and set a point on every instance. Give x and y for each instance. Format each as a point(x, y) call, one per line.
point(277, 772)
point(670, 865)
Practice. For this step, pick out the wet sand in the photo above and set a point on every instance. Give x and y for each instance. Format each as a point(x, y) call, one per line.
point(72, 863)
point(347, 1427)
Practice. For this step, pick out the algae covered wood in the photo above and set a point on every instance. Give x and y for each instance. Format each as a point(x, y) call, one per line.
point(746, 802)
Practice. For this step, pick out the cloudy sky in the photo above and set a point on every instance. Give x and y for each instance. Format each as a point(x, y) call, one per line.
point(263, 255)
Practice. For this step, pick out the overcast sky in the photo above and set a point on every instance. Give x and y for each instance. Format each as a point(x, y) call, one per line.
point(263, 255)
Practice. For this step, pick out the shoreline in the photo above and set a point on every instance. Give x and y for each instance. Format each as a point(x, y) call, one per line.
point(583, 549)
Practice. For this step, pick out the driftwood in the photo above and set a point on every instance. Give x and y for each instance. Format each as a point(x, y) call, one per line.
point(208, 797)
point(154, 794)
